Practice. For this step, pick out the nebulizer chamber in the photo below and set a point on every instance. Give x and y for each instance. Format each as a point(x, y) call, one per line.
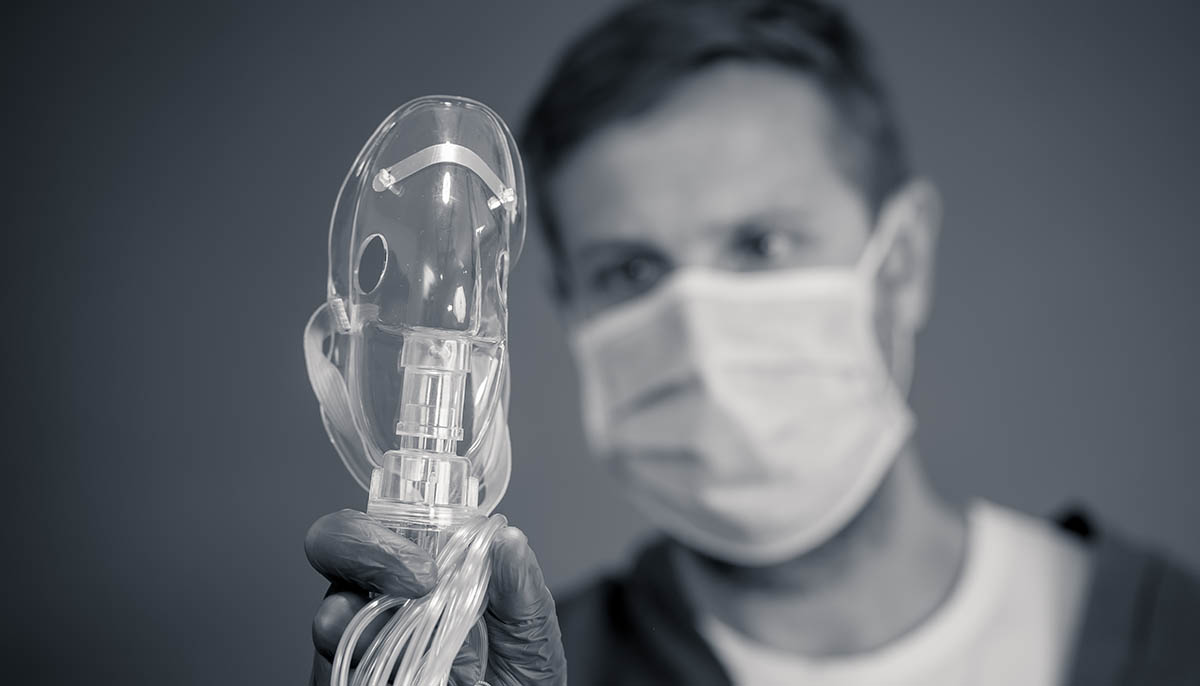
point(409, 360)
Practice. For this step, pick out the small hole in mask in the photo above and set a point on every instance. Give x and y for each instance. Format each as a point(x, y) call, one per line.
point(372, 263)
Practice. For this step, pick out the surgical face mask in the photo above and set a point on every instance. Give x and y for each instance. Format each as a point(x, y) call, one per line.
point(750, 415)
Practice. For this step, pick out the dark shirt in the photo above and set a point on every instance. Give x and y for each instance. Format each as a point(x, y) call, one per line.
point(1141, 623)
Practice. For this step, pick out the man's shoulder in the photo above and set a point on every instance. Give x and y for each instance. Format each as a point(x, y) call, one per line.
point(595, 626)
point(1165, 617)
point(593, 603)
point(602, 612)
point(634, 628)
point(1142, 613)
point(611, 600)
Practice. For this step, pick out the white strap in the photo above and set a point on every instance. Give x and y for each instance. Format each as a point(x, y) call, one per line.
point(330, 389)
point(443, 153)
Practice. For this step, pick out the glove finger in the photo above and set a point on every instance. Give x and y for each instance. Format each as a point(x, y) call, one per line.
point(524, 642)
point(352, 549)
point(322, 671)
point(466, 671)
point(337, 609)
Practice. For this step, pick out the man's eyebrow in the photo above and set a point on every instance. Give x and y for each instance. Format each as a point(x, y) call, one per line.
point(607, 247)
point(775, 216)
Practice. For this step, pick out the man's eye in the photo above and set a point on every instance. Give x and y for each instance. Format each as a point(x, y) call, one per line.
point(633, 273)
point(764, 244)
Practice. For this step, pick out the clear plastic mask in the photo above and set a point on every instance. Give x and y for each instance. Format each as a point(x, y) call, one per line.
point(424, 231)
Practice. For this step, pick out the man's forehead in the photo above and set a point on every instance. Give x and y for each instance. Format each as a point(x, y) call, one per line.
point(734, 138)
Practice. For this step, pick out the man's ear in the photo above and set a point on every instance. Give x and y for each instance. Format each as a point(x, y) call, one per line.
point(914, 212)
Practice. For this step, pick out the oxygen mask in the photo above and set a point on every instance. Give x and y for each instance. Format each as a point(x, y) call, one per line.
point(408, 356)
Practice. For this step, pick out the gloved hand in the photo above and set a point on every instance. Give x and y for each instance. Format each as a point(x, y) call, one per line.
point(358, 555)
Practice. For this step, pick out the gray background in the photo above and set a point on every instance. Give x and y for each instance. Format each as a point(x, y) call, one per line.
point(170, 172)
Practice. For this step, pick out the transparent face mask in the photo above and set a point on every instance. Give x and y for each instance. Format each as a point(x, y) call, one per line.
point(424, 231)
point(408, 358)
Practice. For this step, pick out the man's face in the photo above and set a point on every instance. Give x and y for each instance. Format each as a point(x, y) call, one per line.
point(692, 397)
point(736, 169)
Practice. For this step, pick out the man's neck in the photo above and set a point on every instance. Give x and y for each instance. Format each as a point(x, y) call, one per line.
point(877, 579)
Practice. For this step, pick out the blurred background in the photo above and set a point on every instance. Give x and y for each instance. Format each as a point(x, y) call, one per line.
point(169, 174)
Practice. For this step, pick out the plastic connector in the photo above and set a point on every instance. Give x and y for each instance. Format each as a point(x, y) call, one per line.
point(424, 490)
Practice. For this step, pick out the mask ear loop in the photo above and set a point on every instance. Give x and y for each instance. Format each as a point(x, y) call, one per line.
point(330, 388)
point(881, 241)
point(879, 246)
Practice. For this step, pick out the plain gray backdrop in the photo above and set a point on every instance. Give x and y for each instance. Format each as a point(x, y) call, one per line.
point(169, 174)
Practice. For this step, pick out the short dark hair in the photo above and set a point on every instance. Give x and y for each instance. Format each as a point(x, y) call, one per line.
point(627, 63)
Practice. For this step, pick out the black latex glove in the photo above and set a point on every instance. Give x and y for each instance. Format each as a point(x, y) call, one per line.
point(358, 555)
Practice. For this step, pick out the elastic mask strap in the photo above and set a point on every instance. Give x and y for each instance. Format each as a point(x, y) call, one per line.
point(887, 228)
point(330, 389)
point(880, 242)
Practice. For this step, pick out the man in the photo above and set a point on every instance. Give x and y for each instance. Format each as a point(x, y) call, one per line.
point(743, 258)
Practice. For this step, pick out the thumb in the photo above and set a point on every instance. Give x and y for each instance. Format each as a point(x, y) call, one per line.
point(524, 642)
